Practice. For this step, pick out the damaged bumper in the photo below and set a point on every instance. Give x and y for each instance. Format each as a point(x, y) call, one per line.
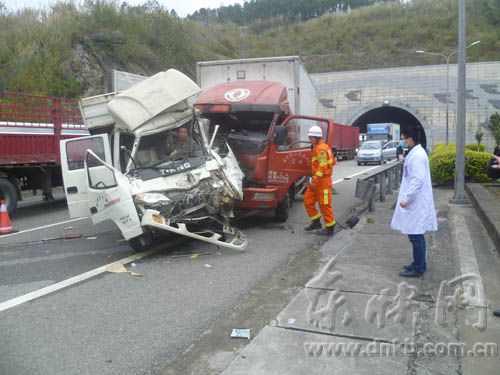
point(234, 241)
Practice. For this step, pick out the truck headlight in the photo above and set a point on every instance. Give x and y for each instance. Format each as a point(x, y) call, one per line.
point(151, 199)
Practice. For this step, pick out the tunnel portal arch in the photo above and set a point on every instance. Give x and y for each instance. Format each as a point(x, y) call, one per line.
point(400, 114)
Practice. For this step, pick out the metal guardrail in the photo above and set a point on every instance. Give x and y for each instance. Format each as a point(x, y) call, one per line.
point(382, 182)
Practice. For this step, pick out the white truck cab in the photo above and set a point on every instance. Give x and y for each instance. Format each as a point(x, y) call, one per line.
point(129, 172)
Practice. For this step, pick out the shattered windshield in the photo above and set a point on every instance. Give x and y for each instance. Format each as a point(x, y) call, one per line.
point(183, 142)
point(169, 152)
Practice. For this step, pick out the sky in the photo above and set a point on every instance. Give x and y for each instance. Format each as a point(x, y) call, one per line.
point(182, 7)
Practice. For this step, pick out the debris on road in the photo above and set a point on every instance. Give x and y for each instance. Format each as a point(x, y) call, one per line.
point(208, 265)
point(118, 267)
point(240, 333)
point(66, 237)
point(190, 255)
point(68, 228)
point(91, 238)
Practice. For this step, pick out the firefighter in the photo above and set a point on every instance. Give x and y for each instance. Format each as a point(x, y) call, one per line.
point(320, 188)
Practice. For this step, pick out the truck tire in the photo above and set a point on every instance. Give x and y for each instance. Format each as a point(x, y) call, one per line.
point(9, 194)
point(142, 242)
point(282, 210)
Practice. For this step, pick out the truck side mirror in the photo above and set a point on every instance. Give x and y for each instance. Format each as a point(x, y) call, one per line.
point(280, 133)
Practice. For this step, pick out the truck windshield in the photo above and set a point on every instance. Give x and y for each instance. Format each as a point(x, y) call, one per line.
point(176, 144)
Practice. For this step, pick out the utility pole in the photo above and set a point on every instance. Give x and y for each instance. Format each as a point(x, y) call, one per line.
point(459, 195)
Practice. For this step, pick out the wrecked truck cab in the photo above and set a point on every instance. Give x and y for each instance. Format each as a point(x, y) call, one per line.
point(137, 173)
point(271, 145)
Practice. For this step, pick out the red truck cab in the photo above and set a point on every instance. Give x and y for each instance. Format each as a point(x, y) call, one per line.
point(270, 144)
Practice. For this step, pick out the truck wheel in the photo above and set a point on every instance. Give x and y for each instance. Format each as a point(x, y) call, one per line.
point(282, 210)
point(359, 163)
point(142, 242)
point(9, 194)
point(381, 161)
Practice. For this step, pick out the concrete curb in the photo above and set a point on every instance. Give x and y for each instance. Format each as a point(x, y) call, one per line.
point(488, 209)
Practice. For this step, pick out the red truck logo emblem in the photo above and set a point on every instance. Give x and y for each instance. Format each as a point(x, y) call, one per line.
point(236, 95)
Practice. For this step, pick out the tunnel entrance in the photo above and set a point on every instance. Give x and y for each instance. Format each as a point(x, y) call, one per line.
point(392, 114)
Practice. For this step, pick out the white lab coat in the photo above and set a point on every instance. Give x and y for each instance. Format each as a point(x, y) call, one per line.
point(416, 188)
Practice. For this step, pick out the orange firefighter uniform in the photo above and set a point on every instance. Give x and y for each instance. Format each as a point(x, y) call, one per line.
point(320, 188)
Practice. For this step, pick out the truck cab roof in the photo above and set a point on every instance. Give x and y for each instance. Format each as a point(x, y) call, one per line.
point(244, 96)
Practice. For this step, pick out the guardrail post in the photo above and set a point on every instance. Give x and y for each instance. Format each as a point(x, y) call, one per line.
point(381, 178)
point(390, 182)
point(371, 202)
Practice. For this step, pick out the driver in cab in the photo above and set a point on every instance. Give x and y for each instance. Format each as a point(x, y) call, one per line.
point(181, 144)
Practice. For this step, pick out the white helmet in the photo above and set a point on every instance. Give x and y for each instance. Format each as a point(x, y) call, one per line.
point(315, 131)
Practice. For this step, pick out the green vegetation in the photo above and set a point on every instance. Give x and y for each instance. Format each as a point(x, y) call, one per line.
point(69, 50)
point(479, 137)
point(442, 164)
point(494, 127)
point(273, 12)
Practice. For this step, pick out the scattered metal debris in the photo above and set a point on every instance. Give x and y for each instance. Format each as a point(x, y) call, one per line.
point(118, 267)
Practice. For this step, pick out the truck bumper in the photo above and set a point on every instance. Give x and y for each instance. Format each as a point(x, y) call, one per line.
point(258, 199)
point(152, 218)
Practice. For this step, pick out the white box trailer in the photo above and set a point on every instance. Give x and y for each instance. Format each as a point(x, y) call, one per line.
point(288, 70)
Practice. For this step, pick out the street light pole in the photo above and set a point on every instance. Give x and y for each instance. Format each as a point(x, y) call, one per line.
point(459, 195)
point(447, 58)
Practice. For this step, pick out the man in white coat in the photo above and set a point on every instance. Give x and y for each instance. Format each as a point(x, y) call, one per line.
point(415, 213)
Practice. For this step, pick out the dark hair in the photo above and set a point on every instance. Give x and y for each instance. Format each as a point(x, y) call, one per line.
point(497, 151)
point(411, 133)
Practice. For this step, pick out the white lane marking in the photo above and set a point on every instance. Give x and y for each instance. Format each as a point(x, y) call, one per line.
point(79, 278)
point(45, 226)
point(354, 175)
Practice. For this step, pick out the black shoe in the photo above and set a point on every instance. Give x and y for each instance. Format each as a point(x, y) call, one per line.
point(409, 267)
point(315, 224)
point(410, 273)
point(496, 313)
point(327, 232)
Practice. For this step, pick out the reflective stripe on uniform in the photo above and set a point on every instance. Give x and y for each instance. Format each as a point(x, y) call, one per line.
point(330, 224)
point(314, 158)
point(330, 161)
point(319, 174)
point(317, 216)
point(325, 196)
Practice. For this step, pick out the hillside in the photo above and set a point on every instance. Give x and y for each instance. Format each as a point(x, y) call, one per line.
point(68, 51)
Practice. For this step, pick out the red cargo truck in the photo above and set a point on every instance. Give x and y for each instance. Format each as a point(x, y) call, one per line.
point(30, 130)
point(270, 144)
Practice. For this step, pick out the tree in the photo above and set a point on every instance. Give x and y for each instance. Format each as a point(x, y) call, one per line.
point(494, 127)
point(479, 137)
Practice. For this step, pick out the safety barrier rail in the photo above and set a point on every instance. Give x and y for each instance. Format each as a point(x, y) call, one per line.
point(382, 182)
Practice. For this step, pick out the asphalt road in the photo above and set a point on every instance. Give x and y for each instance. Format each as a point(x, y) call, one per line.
point(117, 323)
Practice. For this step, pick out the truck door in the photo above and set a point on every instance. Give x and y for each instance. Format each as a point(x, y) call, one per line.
point(110, 197)
point(291, 158)
point(73, 153)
